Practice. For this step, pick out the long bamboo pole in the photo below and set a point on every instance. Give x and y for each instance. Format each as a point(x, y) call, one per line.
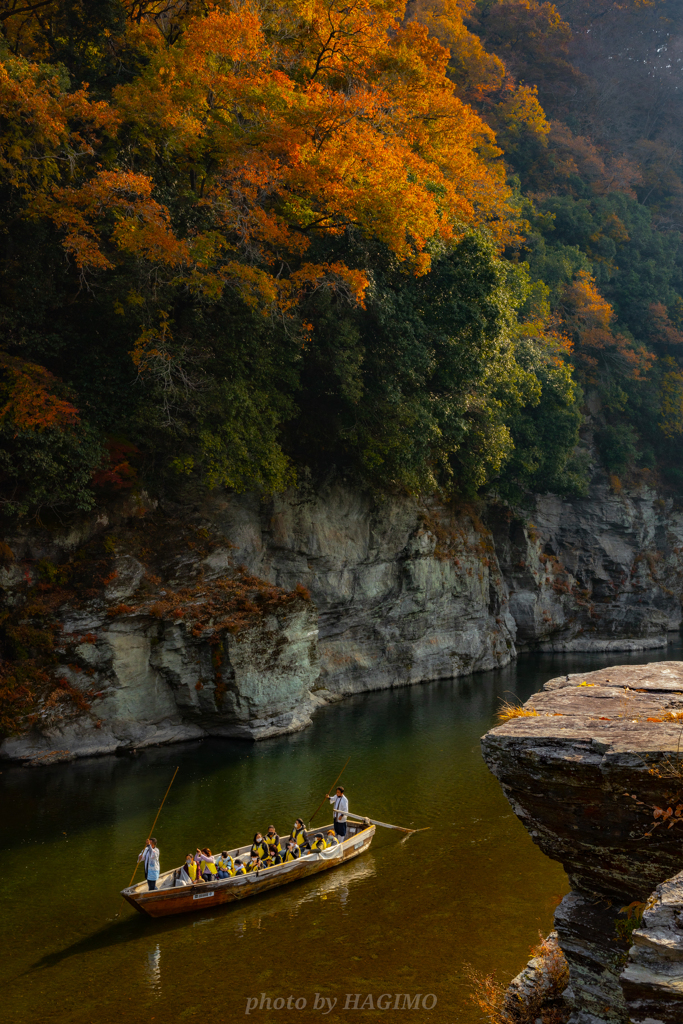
point(310, 820)
point(155, 821)
point(385, 824)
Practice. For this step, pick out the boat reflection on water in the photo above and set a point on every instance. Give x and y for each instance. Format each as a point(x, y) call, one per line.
point(248, 918)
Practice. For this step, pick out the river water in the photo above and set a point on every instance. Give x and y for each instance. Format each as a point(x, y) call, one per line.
point(405, 918)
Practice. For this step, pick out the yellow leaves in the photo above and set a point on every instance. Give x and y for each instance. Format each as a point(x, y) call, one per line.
point(471, 67)
point(509, 711)
point(522, 110)
point(585, 306)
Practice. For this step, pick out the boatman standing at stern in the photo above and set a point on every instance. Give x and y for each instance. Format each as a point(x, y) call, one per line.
point(341, 809)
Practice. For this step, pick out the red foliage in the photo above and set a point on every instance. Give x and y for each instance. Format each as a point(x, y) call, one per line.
point(116, 472)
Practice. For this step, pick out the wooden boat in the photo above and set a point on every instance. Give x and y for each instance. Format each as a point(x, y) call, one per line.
point(168, 898)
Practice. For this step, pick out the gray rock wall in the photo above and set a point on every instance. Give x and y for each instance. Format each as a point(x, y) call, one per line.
point(401, 591)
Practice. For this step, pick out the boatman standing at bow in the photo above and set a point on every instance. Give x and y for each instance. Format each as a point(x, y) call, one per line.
point(341, 809)
point(150, 856)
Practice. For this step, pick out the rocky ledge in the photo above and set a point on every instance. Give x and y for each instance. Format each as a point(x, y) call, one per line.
point(593, 768)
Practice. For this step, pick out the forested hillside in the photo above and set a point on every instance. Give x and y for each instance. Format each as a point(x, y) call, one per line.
point(243, 243)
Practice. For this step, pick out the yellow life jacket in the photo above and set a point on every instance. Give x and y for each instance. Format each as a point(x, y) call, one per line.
point(226, 865)
point(208, 865)
point(318, 846)
point(240, 870)
point(253, 867)
point(273, 842)
point(299, 836)
point(260, 849)
point(191, 870)
point(290, 856)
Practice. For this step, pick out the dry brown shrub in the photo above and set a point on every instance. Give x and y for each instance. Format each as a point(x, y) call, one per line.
point(544, 1002)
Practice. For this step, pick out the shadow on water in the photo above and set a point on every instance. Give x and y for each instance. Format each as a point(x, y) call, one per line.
point(265, 906)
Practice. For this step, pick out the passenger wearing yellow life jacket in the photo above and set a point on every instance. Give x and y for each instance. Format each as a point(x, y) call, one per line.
point(298, 834)
point(273, 859)
point(292, 852)
point(255, 864)
point(239, 868)
point(259, 848)
point(188, 872)
point(332, 839)
point(207, 865)
point(273, 840)
point(225, 865)
point(318, 844)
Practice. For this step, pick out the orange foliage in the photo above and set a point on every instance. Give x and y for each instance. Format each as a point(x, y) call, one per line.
point(116, 471)
point(470, 66)
point(590, 317)
point(29, 401)
point(663, 331)
point(45, 129)
point(308, 118)
point(577, 155)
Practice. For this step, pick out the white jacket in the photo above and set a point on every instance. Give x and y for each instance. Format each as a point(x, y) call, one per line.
point(341, 807)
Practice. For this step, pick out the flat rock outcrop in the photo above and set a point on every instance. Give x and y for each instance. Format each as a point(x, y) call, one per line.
point(592, 767)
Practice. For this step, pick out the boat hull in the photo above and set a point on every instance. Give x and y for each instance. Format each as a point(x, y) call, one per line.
point(163, 902)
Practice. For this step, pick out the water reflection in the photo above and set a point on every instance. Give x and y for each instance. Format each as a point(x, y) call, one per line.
point(153, 969)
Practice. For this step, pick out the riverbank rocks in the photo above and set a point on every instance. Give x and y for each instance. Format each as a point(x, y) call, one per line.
point(593, 768)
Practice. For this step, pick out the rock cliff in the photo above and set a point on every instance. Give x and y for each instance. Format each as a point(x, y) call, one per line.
point(592, 767)
point(391, 591)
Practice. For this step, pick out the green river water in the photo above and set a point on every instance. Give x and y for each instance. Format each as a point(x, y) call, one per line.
point(405, 918)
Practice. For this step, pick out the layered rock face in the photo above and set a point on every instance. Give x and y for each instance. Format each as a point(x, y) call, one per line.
point(388, 594)
point(400, 591)
point(591, 573)
point(593, 770)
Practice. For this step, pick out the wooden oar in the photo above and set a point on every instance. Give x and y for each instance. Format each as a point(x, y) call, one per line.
point(330, 790)
point(385, 824)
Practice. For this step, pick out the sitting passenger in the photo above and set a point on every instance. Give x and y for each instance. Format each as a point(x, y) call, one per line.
point(188, 872)
point(259, 847)
point(240, 868)
point(299, 833)
point(207, 865)
point(255, 864)
point(275, 858)
point(331, 838)
point(273, 840)
point(318, 844)
point(225, 865)
point(292, 852)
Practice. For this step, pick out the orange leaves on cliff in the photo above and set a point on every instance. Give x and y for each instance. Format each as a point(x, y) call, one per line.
point(45, 131)
point(275, 126)
point(590, 318)
point(28, 398)
point(315, 119)
point(470, 66)
point(113, 211)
